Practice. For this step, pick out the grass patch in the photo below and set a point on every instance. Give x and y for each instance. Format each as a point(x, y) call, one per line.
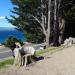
point(6, 62)
point(50, 49)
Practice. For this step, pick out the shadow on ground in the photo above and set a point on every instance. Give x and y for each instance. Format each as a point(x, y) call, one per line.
point(35, 59)
point(39, 58)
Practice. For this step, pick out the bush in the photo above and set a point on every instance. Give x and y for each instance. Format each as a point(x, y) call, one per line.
point(10, 42)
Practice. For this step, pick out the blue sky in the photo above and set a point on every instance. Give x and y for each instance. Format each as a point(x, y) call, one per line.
point(5, 6)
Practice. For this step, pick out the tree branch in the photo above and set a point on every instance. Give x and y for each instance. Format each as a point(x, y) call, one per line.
point(39, 23)
point(36, 19)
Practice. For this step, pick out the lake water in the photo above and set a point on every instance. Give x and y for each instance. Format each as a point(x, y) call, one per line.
point(5, 32)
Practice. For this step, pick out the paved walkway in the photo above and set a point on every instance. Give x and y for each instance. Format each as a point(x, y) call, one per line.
point(59, 63)
point(5, 53)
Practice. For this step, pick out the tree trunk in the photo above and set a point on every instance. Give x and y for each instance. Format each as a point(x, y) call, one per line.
point(46, 30)
point(56, 25)
point(47, 40)
point(61, 28)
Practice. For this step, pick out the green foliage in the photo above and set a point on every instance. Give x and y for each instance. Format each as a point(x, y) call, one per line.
point(34, 38)
point(22, 18)
point(68, 9)
point(10, 42)
point(29, 37)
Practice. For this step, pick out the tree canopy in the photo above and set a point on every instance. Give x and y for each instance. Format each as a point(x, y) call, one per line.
point(43, 20)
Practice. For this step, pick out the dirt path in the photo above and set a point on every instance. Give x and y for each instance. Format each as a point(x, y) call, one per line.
point(59, 63)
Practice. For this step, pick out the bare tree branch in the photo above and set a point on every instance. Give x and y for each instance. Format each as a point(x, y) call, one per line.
point(36, 19)
point(42, 25)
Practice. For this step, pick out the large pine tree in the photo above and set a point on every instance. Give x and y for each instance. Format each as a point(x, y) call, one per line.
point(22, 19)
point(33, 16)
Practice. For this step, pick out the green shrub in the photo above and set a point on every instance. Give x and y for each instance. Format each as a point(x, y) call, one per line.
point(10, 42)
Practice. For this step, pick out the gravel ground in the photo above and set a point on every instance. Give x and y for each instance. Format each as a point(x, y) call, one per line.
point(58, 63)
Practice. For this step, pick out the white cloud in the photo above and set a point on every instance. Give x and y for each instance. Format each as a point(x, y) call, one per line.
point(2, 17)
